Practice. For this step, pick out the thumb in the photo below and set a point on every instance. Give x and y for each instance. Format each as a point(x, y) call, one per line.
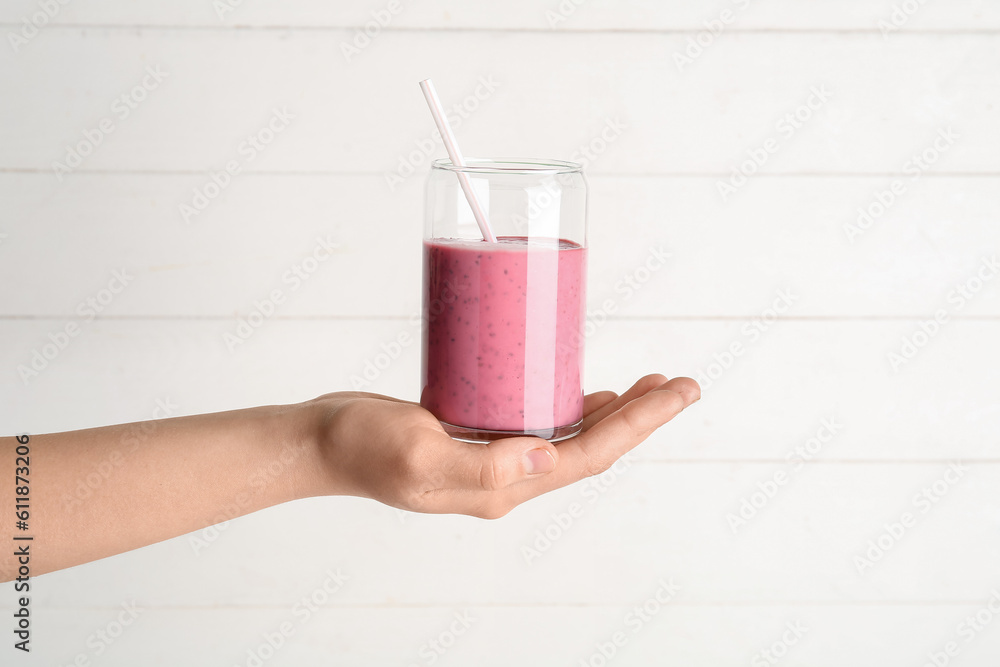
point(508, 461)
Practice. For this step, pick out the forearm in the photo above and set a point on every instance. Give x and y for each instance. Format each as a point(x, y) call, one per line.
point(103, 491)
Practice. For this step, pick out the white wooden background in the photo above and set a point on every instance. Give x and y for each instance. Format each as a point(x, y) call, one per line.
point(654, 187)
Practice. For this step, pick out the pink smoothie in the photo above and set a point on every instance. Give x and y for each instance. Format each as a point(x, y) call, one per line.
point(503, 328)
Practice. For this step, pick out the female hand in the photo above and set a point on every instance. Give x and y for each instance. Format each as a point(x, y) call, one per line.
point(397, 453)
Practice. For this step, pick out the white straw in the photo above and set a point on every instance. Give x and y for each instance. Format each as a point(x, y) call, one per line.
point(456, 158)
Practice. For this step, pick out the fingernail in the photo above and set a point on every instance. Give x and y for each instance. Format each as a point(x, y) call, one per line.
point(538, 461)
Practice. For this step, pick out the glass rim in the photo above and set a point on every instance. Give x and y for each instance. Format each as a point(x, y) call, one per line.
point(510, 165)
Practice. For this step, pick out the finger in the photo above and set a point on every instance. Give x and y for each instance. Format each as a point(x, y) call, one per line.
point(594, 451)
point(525, 463)
point(686, 387)
point(509, 461)
point(503, 463)
point(597, 400)
point(689, 389)
point(642, 386)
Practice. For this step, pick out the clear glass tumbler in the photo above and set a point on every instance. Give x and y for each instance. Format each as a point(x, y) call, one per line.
point(503, 322)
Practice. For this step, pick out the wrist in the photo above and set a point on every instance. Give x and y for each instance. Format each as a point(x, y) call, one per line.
point(295, 467)
point(331, 428)
point(312, 428)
